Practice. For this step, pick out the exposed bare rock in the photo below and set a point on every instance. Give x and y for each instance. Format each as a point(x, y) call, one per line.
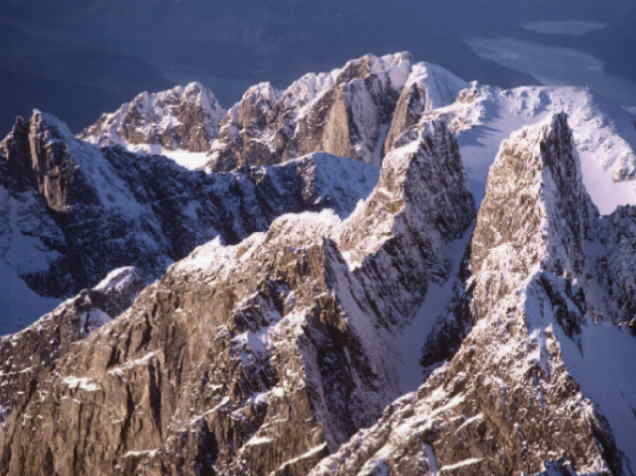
point(38, 153)
point(183, 118)
point(254, 358)
point(75, 212)
point(508, 402)
point(301, 299)
point(386, 229)
point(30, 354)
point(345, 112)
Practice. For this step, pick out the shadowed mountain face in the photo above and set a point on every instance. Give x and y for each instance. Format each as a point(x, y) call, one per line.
point(78, 59)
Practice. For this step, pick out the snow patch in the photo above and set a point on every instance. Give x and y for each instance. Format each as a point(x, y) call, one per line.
point(460, 465)
point(142, 453)
point(117, 280)
point(215, 409)
point(120, 370)
point(184, 158)
point(82, 383)
point(259, 440)
point(308, 454)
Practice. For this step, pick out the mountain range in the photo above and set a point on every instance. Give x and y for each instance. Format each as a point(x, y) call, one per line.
point(382, 269)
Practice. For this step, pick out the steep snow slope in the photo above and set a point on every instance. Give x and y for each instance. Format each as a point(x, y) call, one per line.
point(604, 134)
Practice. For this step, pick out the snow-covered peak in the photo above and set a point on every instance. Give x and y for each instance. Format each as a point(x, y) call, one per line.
point(252, 111)
point(181, 119)
point(392, 68)
point(349, 111)
point(395, 71)
point(262, 91)
point(536, 173)
point(604, 134)
point(441, 85)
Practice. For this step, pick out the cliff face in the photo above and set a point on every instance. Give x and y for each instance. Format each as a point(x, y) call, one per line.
point(183, 118)
point(447, 300)
point(514, 397)
point(29, 355)
point(259, 357)
point(356, 111)
point(75, 212)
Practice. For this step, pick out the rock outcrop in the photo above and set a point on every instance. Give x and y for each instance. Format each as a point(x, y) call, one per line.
point(75, 212)
point(346, 112)
point(183, 118)
point(259, 357)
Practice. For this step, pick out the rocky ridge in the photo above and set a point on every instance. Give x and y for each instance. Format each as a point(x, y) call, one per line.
point(508, 401)
point(604, 135)
point(283, 351)
point(279, 321)
point(28, 355)
point(183, 118)
point(355, 111)
point(360, 109)
point(74, 212)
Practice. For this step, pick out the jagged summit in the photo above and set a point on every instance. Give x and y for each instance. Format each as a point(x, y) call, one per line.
point(350, 111)
point(360, 109)
point(181, 120)
point(604, 135)
point(74, 211)
point(526, 304)
point(381, 269)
